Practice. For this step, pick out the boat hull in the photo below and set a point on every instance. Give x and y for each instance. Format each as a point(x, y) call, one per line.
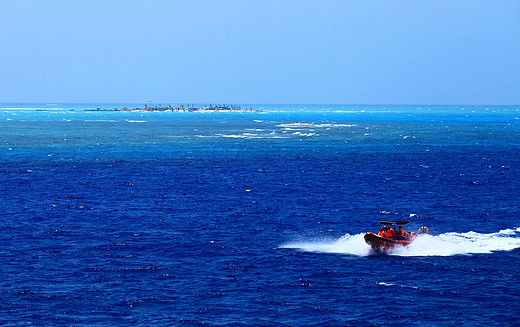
point(385, 245)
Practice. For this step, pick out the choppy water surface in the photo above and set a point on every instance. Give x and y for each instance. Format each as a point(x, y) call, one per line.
point(230, 219)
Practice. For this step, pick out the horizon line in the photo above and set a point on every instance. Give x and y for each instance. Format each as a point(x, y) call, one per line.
point(49, 103)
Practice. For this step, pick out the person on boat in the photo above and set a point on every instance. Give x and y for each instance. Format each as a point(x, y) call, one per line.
point(382, 231)
point(401, 234)
point(390, 233)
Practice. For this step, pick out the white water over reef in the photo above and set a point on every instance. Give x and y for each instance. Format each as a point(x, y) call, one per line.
point(446, 244)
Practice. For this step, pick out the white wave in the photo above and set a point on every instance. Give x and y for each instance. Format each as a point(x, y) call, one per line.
point(347, 244)
point(304, 134)
point(397, 285)
point(335, 125)
point(233, 136)
point(136, 121)
point(385, 284)
point(298, 125)
point(250, 136)
point(447, 244)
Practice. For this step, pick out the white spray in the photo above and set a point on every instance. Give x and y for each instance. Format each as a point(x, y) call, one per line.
point(446, 244)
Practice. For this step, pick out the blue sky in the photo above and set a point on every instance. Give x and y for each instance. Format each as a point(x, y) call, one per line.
point(316, 52)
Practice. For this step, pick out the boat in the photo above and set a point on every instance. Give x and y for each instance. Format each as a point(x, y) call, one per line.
point(385, 243)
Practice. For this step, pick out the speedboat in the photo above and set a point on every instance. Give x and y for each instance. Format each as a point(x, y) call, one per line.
point(386, 241)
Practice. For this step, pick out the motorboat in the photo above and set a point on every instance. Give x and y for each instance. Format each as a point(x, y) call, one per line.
point(387, 239)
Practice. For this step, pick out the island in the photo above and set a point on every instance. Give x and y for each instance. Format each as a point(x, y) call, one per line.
point(183, 108)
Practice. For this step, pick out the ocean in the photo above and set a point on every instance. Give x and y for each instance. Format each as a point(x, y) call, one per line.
point(257, 218)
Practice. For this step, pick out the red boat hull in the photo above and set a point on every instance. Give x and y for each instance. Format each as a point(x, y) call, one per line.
point(385, 245)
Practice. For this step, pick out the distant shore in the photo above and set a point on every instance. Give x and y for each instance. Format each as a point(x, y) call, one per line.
point(220, 108)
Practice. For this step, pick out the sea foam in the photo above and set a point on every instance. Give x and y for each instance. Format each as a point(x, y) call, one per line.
point(447, 244)
point(347, 244)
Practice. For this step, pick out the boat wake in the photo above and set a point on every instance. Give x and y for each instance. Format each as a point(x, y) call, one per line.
point(447, 244)
point(347, 244)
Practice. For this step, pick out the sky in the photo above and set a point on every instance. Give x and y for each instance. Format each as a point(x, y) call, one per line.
point(260, 52)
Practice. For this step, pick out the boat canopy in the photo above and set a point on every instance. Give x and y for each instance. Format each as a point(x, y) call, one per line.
point(398, 222)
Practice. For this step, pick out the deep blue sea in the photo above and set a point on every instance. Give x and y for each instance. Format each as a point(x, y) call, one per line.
point(257, 218)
